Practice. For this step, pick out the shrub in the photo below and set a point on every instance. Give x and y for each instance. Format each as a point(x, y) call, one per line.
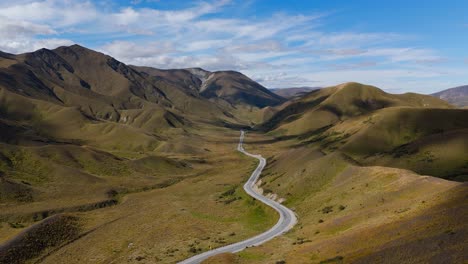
point(327, 209)
point(337, 259)
point(16, 225)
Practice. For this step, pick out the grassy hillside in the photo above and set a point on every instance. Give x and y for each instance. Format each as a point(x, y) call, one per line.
point(352, 213)
point(165, 209)
point(328, 106)
point(142, 164)
point(81, 132)
point(428, 141)
point(372, 127)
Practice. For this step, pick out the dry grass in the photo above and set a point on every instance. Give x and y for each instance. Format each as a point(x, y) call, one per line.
point(349, 213)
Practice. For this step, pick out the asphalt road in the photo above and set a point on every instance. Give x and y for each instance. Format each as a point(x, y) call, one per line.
point(286, 221)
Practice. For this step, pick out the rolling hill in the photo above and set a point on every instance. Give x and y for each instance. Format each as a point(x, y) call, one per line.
point(376, 128)
point(76, 123)
point(373, 177)
point(76, 83)
point(327, 106)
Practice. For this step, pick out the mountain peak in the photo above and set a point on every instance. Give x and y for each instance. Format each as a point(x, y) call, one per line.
point(199, 73)
point(235, 87)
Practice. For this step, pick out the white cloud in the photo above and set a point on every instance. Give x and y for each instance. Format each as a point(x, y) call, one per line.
point(23, 24)
point(281, 79)
point(59, 13)
point(209, 44)
point(21, 45)
point(255, 30)
point(126, 51)
point(262, 46)
point(352, 39)
point(404, 54)
point(147, 19)
point(17, 28)
point(402, 79)
point(278, 50)
point(353, 66)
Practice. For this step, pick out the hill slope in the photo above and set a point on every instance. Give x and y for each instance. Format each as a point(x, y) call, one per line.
point(152, 150)
point(73, 118)
point(230, 86)
point(372, 127)
point(74, 113)
point(235, 87)
point(327, 106)
point(457, 96)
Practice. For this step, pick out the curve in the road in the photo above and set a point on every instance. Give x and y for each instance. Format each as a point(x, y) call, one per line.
point(286, 221)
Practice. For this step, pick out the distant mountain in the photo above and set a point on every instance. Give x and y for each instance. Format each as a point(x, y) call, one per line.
point(293, 91)
point(72, 116)
point(230, 86)
point(76, 90)
point(457, 96)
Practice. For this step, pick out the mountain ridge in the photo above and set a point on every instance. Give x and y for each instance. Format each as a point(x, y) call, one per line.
point(457, 96)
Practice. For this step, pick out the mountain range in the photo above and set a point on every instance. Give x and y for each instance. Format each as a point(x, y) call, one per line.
point(108, 162)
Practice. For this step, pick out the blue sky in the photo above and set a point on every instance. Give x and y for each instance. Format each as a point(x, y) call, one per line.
point(400, 46)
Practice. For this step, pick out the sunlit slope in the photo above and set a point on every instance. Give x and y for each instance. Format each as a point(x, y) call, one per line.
point(428, 141)
point(352, 213)
point(410, 131)
point(328, 106)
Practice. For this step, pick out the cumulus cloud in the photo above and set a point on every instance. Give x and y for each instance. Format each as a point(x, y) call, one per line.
point(278, 50)
point(60, 13)
point(154, 20)
point(126, 50)
point(21, 45)
point(282, 79)
point(18, 28)
point(30, 25)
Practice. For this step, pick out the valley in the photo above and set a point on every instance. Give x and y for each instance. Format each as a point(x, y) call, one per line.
point(104, 162)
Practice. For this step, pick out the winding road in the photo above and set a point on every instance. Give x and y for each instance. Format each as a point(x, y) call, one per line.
point(286, 221)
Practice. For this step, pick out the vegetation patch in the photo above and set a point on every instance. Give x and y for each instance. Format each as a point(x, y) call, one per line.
point(229, 195)
point(16, 225)
point(327, 209)
point(301, 240)
point(47, 234)
point(337, 260)
point(22, 164)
